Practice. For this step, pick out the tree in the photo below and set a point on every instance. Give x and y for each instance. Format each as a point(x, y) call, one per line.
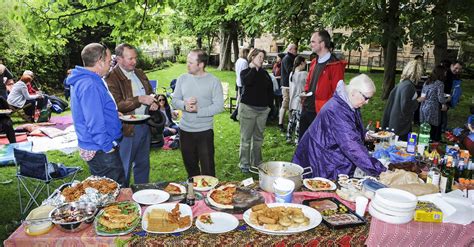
point(52, 22)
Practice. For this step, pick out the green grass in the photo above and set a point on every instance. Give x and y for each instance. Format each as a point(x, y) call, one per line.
point(168, 165)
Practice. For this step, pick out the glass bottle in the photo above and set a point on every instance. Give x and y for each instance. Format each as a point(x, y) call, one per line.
point(447, 176)
point(434, 174)
point(190, 197)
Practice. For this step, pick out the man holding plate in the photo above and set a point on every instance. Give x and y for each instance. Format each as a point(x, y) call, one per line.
point(132, 92)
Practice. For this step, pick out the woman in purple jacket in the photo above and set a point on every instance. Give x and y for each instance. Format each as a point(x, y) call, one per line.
point(334, 143)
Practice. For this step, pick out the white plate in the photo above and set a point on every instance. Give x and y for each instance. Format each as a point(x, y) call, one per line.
point(221, 222)
point(396, 198)
point(181, 188)
point(314, 216)
point(134, 118)
point(307, 185)
point(376, 135)
point(389, 211)
point(150, 196)
point(183, 208)
point(303, 94)
point(388, 218)
point(5, 111)
point(213, 181)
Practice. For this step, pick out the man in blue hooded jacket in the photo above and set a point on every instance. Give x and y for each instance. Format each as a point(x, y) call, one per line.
point(95, 114)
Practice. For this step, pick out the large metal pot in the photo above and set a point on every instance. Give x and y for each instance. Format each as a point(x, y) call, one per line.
point(269, 171)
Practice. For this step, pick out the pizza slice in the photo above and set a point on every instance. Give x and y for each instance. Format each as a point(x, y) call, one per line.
point(222, 196)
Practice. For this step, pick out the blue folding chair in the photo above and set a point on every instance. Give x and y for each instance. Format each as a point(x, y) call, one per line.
point(34, 173)
point(154, 85)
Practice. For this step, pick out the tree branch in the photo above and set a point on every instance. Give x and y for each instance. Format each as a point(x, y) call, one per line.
point(84, 10)
point(144, 14)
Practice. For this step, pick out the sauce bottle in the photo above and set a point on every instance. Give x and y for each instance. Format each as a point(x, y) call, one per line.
point(190, 197)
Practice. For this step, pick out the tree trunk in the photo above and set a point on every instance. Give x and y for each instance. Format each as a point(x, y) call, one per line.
point(199, 42)
point(391, 36)
point(226, 36)
point(440, 31)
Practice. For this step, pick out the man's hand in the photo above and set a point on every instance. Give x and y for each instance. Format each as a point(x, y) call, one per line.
point(191, 108)
point(444, 107)
point(153, 107)
point(146, 99)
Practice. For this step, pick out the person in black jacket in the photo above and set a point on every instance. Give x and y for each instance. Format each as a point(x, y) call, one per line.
point(286, 68)
point(257, 97)
point(4, 72)
point(171, 128)
point(6, 124)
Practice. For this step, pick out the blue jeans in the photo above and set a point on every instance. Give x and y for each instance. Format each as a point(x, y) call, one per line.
point(136, 150)
point(167, 132)
point(107, 165)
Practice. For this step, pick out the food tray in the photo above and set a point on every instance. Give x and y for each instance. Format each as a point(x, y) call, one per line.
point(91, 196)
point(257, 199)
point(332, 203)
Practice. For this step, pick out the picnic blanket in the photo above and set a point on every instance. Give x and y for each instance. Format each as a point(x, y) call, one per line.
point(6, 152)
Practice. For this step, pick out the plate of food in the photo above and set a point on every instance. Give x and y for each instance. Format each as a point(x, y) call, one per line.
point(233, 199)
point(204, 182)
point(335, 214)
point(282, 218)
point(150, 196)
point(117, 219)
point(383, 134)
point(175, 189)
point(216, 222)
point(134, 117)
point(167, 218)
point(319, 184)
point(5, 111)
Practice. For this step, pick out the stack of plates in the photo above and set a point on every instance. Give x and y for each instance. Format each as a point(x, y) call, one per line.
point(393, 206)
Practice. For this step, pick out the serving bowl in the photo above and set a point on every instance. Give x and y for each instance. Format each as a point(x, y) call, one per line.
point(74, 216)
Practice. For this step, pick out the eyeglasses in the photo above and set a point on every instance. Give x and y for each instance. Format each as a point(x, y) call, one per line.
point(365, 97)
point(161, 100)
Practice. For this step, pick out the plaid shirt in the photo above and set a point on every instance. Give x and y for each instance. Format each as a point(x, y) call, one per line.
point(87, 155)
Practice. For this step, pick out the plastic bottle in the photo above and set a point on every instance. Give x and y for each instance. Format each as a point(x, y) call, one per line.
point(424, 137)
point(37, 113)
point(411, 144)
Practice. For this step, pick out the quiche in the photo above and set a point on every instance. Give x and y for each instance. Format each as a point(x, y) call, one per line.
point(222, 196)
point(118, 218)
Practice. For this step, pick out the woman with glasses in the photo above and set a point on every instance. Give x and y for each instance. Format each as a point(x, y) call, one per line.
point(334, 143)
point(171, 128)
point(403, 101)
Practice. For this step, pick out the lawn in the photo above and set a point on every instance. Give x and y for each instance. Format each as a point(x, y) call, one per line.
point(168, 165)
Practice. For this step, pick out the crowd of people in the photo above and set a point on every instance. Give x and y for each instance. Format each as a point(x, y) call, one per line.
point(20, 95)
point(324, 112)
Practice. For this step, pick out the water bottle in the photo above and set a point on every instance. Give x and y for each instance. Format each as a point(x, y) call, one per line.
point(190, 197)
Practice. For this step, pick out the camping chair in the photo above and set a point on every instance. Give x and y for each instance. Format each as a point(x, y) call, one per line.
point(34, 173)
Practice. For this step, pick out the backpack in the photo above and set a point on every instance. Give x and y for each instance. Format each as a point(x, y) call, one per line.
point(456, 93)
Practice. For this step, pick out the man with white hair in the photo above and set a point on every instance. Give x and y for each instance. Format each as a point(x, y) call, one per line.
point(286, 68)
point(334, 143)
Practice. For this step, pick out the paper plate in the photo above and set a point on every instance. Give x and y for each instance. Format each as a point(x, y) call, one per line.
point(396, 198)
point(134, 118)
point(221, 222)
point(314, 216)
point(210, 182)
point(389, 218)
point(308, 181)
point(150, 197)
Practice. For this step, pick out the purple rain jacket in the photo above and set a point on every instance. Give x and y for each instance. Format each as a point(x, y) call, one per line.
point(334, 143)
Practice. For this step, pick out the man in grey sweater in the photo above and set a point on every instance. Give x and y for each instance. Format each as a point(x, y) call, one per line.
point(199, 95)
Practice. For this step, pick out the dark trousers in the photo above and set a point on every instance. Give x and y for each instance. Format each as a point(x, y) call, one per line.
point(108, 165)
point(6, 126)
point(435, 133)
point(444, 121)
point(35, 103)
point(306, 119)
point(198, 147)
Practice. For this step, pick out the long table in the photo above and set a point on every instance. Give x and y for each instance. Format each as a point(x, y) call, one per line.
point(380, 233)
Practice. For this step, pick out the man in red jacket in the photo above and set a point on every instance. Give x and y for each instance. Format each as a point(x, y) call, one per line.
point(324, 74)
